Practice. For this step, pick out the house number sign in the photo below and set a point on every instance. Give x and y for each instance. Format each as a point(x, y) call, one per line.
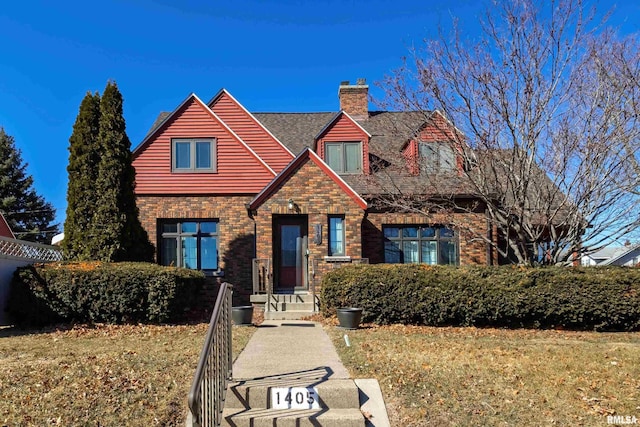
point(294, 398)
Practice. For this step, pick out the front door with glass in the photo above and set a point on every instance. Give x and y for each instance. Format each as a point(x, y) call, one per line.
point(290, 252)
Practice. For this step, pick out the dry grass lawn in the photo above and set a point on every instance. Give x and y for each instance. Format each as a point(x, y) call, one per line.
point(102, 375)
point(496, 377)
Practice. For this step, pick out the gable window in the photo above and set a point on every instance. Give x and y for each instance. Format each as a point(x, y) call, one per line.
point(437, 157)
point(193, 155)
point(420, 244)
point(190, 244)
point(344, 157)
point(336, 235)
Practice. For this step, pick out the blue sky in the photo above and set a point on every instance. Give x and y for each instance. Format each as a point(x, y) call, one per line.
point(271, 55)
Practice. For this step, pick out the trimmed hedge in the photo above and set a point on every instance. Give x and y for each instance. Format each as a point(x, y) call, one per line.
point(125, 292)
point(551, 297)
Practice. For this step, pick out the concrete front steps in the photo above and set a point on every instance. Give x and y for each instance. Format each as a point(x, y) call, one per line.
point(286, 306)
point(249, 403)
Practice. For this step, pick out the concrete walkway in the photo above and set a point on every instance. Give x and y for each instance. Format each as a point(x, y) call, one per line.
point(288, 348)
point(297, 353)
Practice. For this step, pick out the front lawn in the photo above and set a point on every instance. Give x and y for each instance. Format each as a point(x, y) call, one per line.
point(496, 377)
point(103, 375)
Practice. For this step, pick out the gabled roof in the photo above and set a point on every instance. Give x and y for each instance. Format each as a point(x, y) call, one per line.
point(427, 117)
point(388, 129)
point(295, 130)
point(223, 91)
point(335, 119)
point(160, 121)
point(193, 97)
point(389, 132)
point(306, 155)
point(621, 254)
point(5, 230)
point(606, 253)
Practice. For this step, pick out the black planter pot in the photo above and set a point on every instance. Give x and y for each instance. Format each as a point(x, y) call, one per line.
point(349, 317)
point(242, 315)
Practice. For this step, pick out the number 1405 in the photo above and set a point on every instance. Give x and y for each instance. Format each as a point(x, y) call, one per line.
point(294, 398)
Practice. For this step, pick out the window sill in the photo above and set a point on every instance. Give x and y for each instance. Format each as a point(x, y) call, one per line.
point(187, 171)
point(337, 258)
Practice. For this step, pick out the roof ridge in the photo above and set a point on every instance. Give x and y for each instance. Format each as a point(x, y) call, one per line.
point(295, 112)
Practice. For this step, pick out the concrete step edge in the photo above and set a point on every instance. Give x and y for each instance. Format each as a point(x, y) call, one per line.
point(338, 393)
point(287, 315)
point(293, 306)
point(302, 417)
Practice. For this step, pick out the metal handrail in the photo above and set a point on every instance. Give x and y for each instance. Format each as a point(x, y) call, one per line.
point(312, 281)
point(269, 284)
point(207, 393)
point(261, 274)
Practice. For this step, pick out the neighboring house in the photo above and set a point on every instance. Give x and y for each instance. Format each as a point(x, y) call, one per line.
point(627, 255)
point(219, 187)
point(5, 230)
point(17, 253)
point(57, 239)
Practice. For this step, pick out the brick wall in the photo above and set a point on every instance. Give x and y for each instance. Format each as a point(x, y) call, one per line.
point(472, 249)
point(235, 230)
point(354, 100)
point(315, 196)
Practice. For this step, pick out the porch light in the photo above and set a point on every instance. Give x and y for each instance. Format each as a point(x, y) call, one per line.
point(290, 204)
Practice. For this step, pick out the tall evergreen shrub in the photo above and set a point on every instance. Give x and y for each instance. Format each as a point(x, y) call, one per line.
point(116, 232)
point(84, 156)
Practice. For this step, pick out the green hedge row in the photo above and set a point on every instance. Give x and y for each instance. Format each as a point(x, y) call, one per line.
point(101, 292)
point(551, 297)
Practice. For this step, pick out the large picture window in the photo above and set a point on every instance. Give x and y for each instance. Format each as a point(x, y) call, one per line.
point(420, 244)
point(344, 157)
point(190, 244)
point(193, 155)
point(437, 157)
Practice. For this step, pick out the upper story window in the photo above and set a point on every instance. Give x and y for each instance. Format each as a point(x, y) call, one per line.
point(193, 155)
point(437, 157)
point(344, 157)
point(424, 244)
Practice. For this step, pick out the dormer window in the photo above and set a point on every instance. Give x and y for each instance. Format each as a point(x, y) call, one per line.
point(193, 155)
point(437, 157)
point(344, 157)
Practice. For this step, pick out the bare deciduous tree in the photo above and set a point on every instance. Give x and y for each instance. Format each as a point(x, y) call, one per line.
point(547, 104)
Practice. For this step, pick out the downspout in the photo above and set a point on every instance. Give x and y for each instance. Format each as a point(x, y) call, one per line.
point(255, 228)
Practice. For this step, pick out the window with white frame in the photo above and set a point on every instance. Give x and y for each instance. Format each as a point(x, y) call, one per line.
point(420, 244)
point(190, 244)
point(193, 155)
point(437, 157)
point(344, 157)
point(336, 235)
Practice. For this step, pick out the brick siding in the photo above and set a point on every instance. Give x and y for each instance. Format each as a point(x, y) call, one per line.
point(235, 230)
point(472, 249)
point(315, 196)
point(354, 101)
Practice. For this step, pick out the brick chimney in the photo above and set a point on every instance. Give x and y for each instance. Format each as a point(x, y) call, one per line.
point(354, 99)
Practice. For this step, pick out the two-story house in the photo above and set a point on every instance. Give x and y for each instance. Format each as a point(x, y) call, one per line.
point(219, 187)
